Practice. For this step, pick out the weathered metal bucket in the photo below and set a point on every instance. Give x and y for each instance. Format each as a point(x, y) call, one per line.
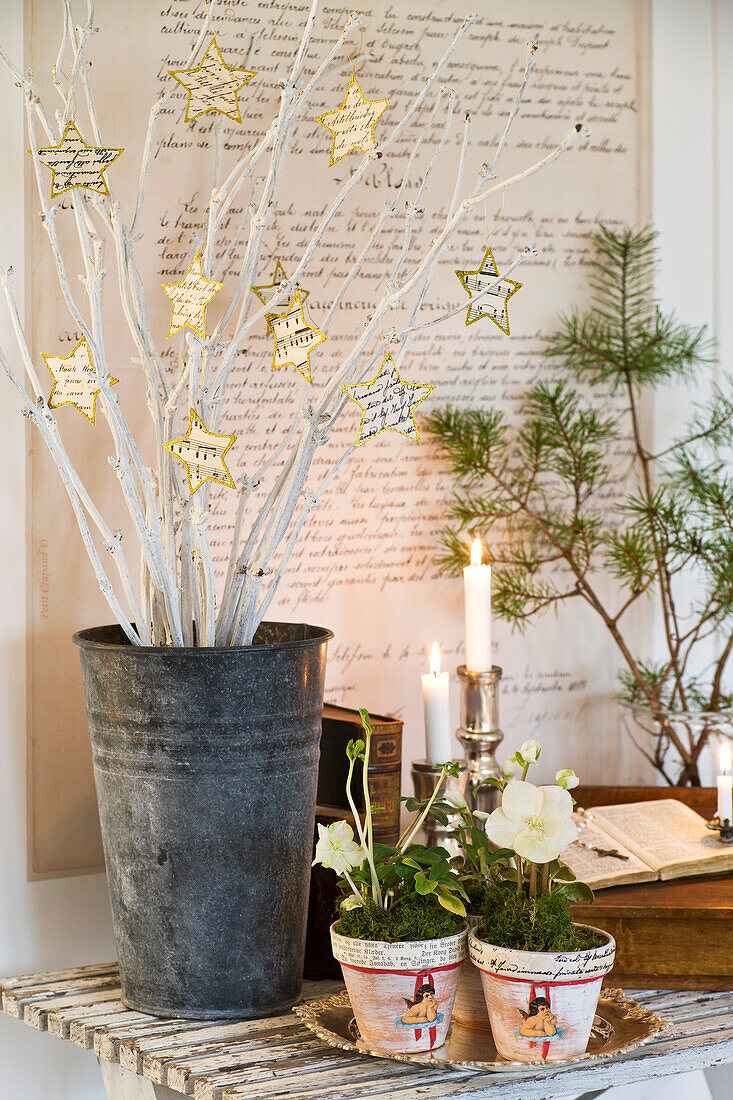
point(206, 764)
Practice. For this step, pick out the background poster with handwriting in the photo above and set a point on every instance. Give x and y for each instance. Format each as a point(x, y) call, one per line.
point(364, 565)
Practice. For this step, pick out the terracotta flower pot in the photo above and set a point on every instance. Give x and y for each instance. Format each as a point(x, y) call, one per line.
point(541, 1003)
point(402, 994)
point(469, 1010)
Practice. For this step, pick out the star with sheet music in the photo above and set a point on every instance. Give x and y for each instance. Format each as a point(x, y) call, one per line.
point(190, 297)
point(295, 339)
point(494, 304)
point(75, 380)
point(387, 402)
point(213, 85)
point(73, 163)
point(267, 291)
point(352, 124)
point(202, 453)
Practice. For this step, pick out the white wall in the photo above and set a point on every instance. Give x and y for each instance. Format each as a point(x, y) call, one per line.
point(67, 922)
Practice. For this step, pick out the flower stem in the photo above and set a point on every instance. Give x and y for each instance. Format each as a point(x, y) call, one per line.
point(376, 888)
point(405, 841)
point(353, 886)
point(533, 880)
point(518, 861)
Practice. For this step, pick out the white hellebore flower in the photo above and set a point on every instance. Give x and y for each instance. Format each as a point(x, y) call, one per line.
point(535, 822)
point(530, 751)
point(337, 848)
point(567, 779)
point(510, 767)
point(453, 794)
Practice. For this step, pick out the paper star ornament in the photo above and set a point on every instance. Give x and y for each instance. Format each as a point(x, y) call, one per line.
point(73, 163)
point(494, 304)
point(267, 291)
point(213, 85)
point(190, 298)
point(387, 402)
point(75, 380)
point(294, 338)
point(352, 124)
point(202, 453)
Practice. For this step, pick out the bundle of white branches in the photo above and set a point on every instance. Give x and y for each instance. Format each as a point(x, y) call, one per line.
point(176, 601)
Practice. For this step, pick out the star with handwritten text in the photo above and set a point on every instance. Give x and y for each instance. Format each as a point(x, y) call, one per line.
point(213, 85)
point(202, 453)
point(73, 163)
point(294, 338)
point(75, 380)
point(387, 402)
point(190, 298)
point(352, 124)
point(493, 304)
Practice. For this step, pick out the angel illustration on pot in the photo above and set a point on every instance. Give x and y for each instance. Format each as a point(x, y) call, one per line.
point(423, 1010)
point(539, 1022)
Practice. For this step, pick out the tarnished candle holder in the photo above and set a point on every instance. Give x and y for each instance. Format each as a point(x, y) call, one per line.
point(424, 778)
point(479, 733)
point(724, 829)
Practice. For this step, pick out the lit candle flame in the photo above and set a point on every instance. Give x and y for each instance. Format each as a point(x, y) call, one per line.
point(725, 760)
point(435, 659)
point(476, 552)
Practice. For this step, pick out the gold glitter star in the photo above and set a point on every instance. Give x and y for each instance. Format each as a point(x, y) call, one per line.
point(387, 402)
point(294, 338)
point(73, 163)
point(494, 304)
point(213, 85)
point(267, 291)
point(75, 380)
point(190, 298)
point(352, 124)
point(202, 453)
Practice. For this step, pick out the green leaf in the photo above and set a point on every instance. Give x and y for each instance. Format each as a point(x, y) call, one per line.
point(575, 891)
point(450, 902)
point(439, 816)
point(383, 850)
point(355, 750)
point(501, 853)
point(423, 885)
point(365, 721)
point(439, 872)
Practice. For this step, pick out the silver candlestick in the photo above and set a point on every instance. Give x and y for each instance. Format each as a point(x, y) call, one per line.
point(479, 733)
point(424, 777)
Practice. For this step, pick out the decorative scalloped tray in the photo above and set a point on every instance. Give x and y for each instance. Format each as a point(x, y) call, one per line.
point(620, 1025)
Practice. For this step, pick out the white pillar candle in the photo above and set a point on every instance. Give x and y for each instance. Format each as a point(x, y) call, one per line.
point(436, 701)
point(477, 592)
point(725, 785)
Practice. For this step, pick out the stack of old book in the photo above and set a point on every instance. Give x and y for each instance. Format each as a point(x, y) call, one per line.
point(341, 725)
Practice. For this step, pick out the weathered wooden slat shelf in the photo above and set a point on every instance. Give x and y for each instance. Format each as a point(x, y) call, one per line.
point(148, 1058)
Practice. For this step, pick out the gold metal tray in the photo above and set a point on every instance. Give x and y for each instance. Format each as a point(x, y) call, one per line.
point(619, 1026)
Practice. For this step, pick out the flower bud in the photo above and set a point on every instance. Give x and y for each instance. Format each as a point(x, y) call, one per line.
point(510, 768)
point(567, 779)
point(530, 751)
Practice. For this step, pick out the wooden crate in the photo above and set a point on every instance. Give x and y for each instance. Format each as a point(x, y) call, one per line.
point(669, 935)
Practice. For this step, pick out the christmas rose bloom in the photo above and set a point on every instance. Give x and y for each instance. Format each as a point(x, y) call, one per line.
point(530, 752)
point(337, 848)
point(566, 778)
point(535, 822)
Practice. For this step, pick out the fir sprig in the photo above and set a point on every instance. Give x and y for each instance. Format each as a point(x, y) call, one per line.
point(535, 494)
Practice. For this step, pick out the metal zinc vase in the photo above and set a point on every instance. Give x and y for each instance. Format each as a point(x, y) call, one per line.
point(206, 762)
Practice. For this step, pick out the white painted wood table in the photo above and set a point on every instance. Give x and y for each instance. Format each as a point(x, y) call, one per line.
point(145, 1058)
